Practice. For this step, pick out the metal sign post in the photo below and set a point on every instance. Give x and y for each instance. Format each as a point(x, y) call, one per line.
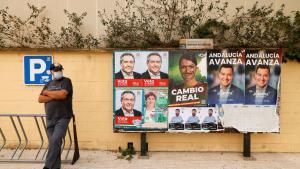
point(144, 145)
point(247, 145)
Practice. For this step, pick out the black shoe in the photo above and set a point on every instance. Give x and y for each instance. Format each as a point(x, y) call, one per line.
point(45, 168)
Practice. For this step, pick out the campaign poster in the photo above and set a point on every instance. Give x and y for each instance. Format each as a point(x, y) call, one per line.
point(226, 76)
point(141, 109)
point(155, 111)
point(263, 69)
point(128, 105)
point(194, 119)
point(187, 78)
point(141, 68)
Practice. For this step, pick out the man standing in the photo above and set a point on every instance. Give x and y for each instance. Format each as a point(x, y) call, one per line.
point(226, 92)
point(261, 93)
point(127, 101)
point(127, 62)
point(57, 96)
point(154, 62)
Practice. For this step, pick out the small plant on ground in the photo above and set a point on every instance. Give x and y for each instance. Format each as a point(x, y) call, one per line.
point(127, 153)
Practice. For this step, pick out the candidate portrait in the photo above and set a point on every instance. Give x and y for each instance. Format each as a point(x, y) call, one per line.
point(261, 93)
point(226, 92)
point(188, 69)
point(154, 63)
point(127, 63)
point(127, 100)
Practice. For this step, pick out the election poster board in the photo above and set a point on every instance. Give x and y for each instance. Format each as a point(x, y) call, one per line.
point(215, 90)
point(140, 91)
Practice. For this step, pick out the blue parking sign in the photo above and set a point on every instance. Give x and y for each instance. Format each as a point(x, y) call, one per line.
point(36, 70)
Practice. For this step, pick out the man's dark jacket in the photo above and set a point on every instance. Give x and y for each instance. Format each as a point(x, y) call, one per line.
point(236, 96)
point(120, 112)
point(146, 75)
point(119, 75)
point(269, 99)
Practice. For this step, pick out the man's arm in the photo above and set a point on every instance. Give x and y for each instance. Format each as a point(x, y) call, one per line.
point(44, 99)
point(57, 94)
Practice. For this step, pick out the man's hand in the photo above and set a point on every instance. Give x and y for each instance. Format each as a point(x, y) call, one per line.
point(44, 99)
point(56, 94)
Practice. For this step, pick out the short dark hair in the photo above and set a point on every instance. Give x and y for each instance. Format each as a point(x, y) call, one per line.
point(194, 109)
point(125, 92)
point(188, 56)
point(126, 54)
point(226, 66)
point(211, 110)
point(177, 110)
point(262, 67)
point(151, 54)
point(150, 94)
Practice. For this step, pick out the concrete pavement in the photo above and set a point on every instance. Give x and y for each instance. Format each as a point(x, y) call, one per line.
point(176, 160)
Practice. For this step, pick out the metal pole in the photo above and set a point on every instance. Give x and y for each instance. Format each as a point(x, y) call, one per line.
point(41, 136)
point(63, 146)
point(45, 128)
point(143, 144)
point(4, 139)
point(19, 138)
point(247, 145)
point(76, 146)
point(25, 136)
point(70, 146)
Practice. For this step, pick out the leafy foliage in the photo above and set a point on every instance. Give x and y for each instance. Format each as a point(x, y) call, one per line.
point(71, 36)
point(156, 23)
point(35, 32)
point(160, 23)
point(127, 153)
point(130, 27)
point(260, 26)
point(257, 27)
point(18, 32)
point(293, 47)
point(213, 29)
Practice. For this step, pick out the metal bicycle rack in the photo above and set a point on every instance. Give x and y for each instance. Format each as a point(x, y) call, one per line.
point(23, 140)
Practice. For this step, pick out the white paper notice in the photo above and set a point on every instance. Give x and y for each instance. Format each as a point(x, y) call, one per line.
point(251, 118)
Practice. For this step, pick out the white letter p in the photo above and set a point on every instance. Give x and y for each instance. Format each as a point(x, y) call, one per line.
point(33, 70)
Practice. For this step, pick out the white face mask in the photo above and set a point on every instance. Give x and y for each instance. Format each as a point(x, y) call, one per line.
point(57, 75)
